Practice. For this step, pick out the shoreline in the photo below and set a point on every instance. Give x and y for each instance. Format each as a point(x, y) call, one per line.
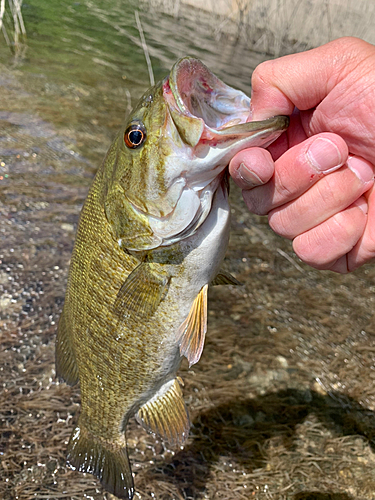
point(278, 28)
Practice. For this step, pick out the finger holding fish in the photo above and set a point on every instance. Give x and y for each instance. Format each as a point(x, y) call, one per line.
point(294, 173)
point(313, 196)
point(325, 90)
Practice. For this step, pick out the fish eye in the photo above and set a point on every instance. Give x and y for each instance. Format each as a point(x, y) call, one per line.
point(135, 135)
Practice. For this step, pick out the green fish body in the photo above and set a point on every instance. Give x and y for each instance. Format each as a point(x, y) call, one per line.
point(152, 234)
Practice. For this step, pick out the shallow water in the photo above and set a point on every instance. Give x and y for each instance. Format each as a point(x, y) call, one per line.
point(282, 401)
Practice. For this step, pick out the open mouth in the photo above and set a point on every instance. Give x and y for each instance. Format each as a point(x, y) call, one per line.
point(216, 113)
point(200, 94)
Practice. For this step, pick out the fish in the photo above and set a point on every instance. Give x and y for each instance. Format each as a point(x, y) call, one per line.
point(151, 237)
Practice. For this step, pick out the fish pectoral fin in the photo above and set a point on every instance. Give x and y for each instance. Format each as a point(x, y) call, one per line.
point(143, 290)
point(66, 366)
point(192, 332)
point(106, 460)
point(224, 278)
point(166, 414)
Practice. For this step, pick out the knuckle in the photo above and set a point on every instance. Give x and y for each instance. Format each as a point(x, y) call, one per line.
point(353, 43)
point(308, 248)
point(344, 229)
point(305, 249)
point(340, 227)
point(329, 193)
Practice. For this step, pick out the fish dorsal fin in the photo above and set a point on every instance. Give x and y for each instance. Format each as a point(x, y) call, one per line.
point(224, 278)
point(192, 331)
point(166, 414)
point(142, 292)
point(66, 366)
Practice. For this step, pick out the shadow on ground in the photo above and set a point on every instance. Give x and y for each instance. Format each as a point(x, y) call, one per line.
point(239, 431)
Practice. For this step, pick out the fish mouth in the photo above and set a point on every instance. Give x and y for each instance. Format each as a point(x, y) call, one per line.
point(219, 111)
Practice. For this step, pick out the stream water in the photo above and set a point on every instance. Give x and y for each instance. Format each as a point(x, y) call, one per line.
point(282, 400)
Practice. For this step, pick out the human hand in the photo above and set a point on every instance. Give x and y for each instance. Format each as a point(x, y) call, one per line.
point(316, 182)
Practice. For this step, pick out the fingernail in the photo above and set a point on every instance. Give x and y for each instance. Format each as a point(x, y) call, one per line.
point(361, 168)
point(324, 155)
point(248, 177)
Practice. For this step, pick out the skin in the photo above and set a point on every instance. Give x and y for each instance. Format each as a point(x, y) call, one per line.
point(316, 182)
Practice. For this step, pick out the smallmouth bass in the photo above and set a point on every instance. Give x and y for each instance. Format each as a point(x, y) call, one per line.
point(151, 237)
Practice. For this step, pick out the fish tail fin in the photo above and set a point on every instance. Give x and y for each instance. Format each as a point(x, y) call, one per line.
point(107, 461)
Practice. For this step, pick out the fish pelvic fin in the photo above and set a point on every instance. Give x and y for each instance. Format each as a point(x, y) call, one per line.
point(192, 332)
point(142, 292)
point(107, 461)
point(224, 278)
point(66, 366)
point(166, 414)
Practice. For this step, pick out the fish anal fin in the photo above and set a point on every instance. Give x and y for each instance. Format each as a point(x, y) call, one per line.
point(66, 366)
point(107, 461)
point(225, 278)
point(142, 292)
point(192, 332)
point(166, 414)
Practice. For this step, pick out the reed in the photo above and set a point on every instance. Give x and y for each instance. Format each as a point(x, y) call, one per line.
point(11, 23)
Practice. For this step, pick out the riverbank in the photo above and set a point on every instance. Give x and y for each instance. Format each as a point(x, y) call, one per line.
point(278, 27)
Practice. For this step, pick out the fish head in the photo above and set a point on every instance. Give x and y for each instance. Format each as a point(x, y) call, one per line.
point(170, 157)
